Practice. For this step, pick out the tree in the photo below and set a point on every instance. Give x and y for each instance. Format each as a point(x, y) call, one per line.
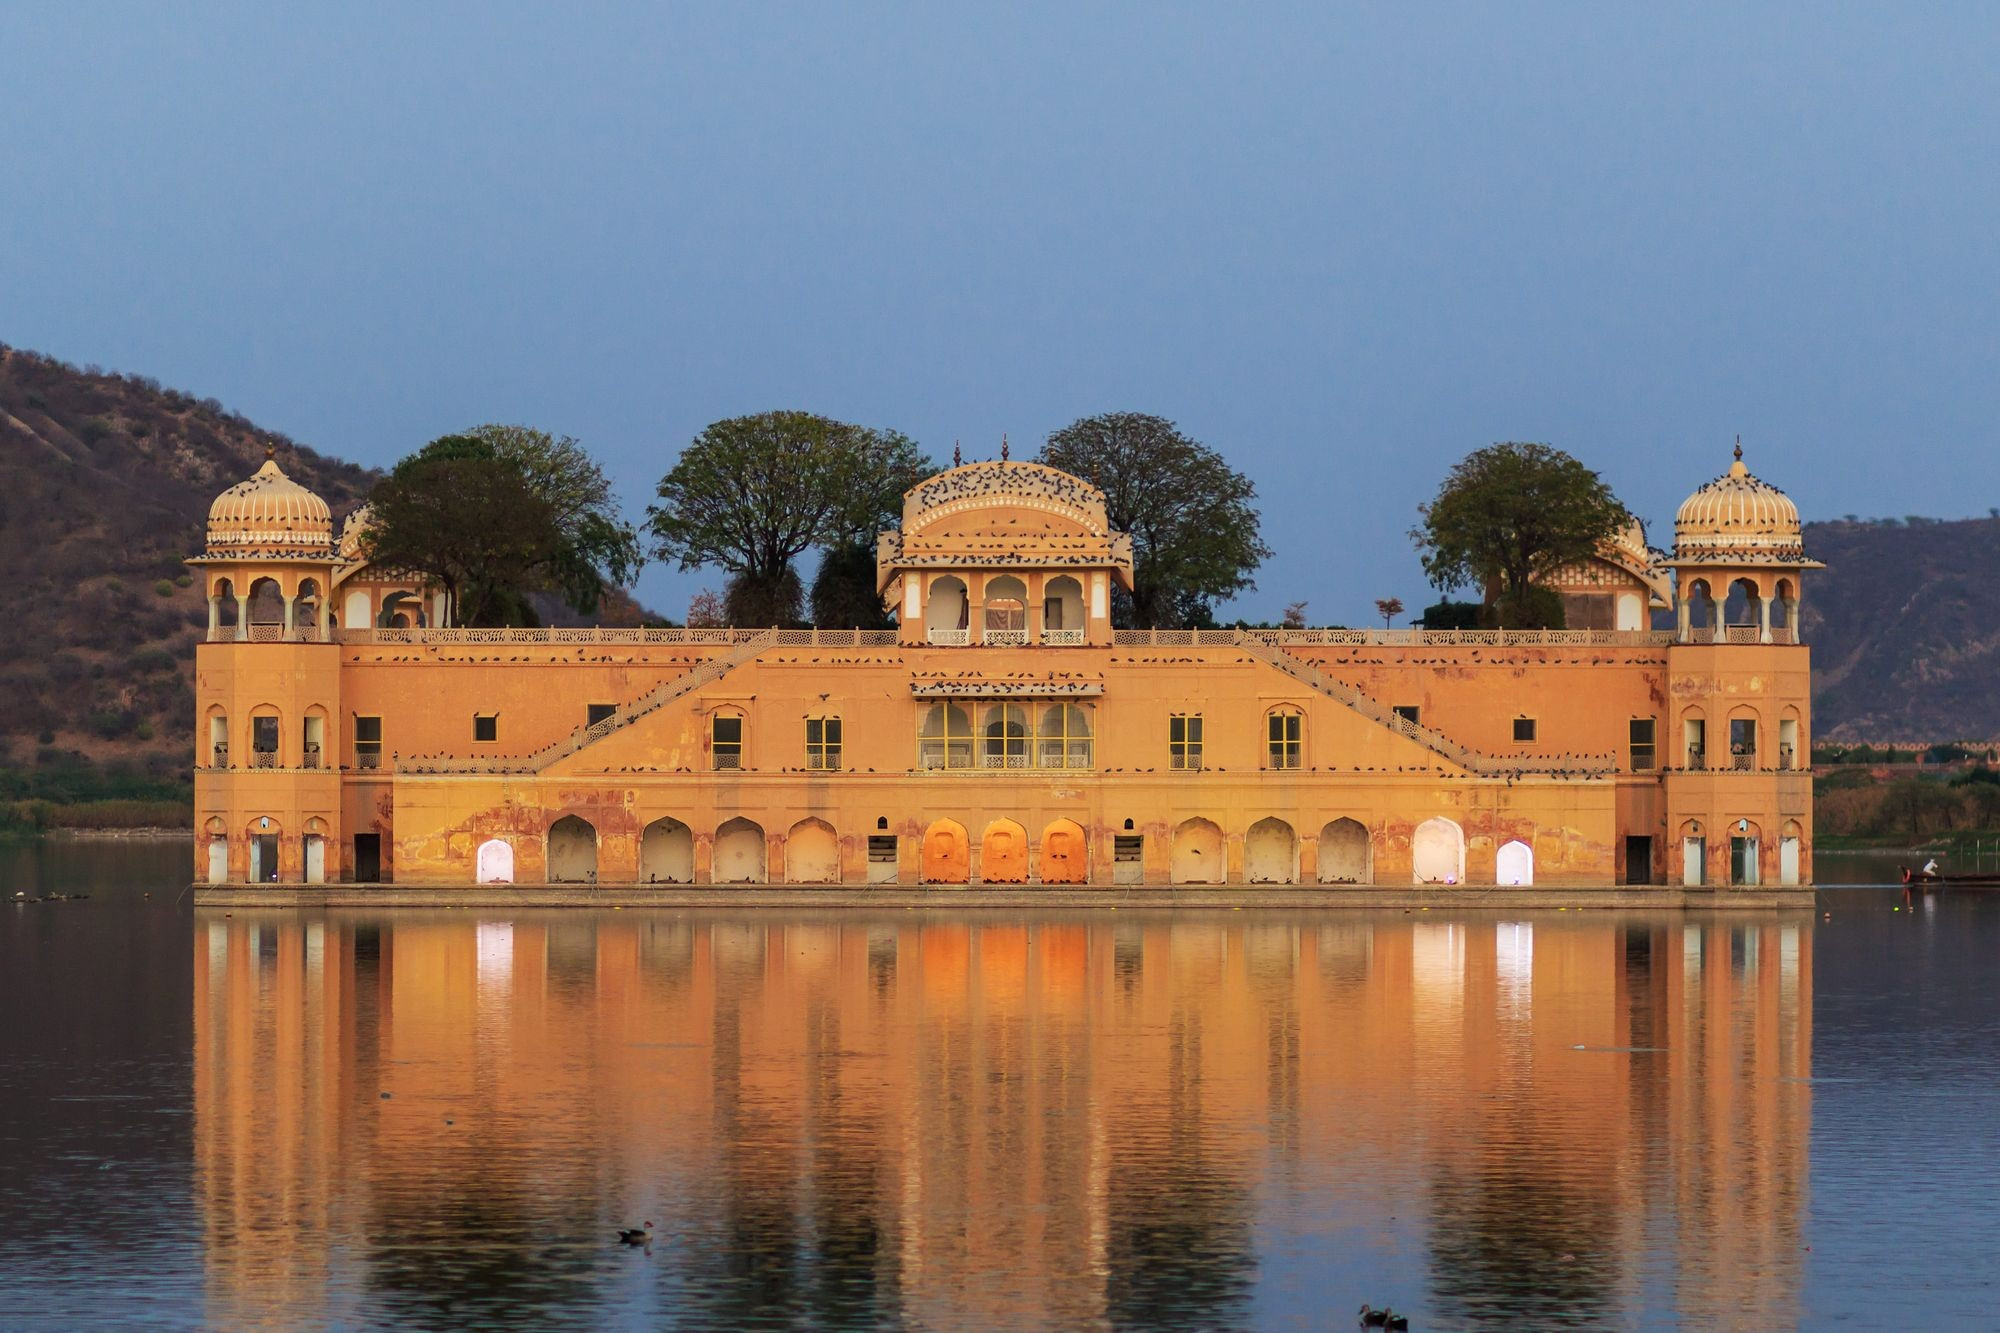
point(1388, 608)
point(752, 494)
point(1509, 515)
point(843, 592)
point(1295, 615)
point(496, 514)
point(1194, 532)
point(705, 610)
point(598, 548)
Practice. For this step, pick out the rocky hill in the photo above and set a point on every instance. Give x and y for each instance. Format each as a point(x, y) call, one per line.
point(1905, 629)
point(105, 483)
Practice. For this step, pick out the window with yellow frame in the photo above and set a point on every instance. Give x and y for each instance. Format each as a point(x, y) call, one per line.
point(1184, 740)
point(823, 743)
point(1284, 735)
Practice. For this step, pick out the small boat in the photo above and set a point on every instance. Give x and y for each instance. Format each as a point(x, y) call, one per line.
point(1930, 879)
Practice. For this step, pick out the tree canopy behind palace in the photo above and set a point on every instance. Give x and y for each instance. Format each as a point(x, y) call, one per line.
point(1194, 532)
point(1508, 516)
point(498, 513)
point(752, 494)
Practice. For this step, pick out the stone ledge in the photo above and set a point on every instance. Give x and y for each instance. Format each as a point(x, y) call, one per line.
point(1618, 898)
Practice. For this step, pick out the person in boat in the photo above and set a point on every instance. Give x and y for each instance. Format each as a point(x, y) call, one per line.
point(1930, 867)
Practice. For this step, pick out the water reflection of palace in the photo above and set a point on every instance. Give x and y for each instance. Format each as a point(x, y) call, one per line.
point(942, 1122)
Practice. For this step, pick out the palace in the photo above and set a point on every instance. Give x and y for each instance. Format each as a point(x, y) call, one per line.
point(1005, 733)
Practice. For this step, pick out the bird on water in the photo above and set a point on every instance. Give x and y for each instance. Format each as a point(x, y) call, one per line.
point(636, 1235)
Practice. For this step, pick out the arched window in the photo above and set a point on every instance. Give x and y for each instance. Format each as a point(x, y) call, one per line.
point(1514, 864)
point(1785, 613)
point(306, 609)
point(267, 609)
point(1005, 732)
point(1698, 613)
point(946, 611)
point(222, 611)
point(1694, 739)
point(1743, 739)
point(1062, 738)
point(944, 738)
point(312, 738)
point(264, 735)
point(218, 738)
point(1743, 613)
point(1062, 610)
point(1284, 738)
point(1006, 611)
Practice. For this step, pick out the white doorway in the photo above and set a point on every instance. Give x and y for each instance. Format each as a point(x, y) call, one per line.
point(218, 860)
point(315, 859)
point(496, 862)
point(1515, 865)
point(1694, 852)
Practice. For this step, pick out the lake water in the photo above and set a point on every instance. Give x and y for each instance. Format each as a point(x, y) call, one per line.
point(1255, 1119)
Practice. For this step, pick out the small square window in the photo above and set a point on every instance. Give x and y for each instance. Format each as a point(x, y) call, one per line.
point(1524, 730)
point(486, 726)
point(1408, 712)
point(596, 713)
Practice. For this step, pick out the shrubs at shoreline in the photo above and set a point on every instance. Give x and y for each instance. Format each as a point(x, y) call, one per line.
point(1855, 806)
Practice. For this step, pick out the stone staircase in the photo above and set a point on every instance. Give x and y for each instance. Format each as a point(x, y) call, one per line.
point(623, 716)
point(1382, 715)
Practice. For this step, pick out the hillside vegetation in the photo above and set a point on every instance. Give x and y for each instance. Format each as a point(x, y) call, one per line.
point(1905, 630)
point(105, 483)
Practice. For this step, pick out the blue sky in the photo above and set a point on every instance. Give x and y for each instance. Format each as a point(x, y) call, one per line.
point(1344, 246)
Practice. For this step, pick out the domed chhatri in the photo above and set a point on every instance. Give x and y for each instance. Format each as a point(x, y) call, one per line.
point(269, 512)
point(352, 531)
point(1737, 517)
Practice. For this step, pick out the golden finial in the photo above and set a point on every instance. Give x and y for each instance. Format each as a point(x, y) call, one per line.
point(1003, 446)
point(270, 452)
point(956, 459)
point(1739, 448)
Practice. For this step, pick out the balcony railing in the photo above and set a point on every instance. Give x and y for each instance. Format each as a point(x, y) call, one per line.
point(1005, 638)
point(368, 759)
point(310, 759)
point(950, 638)
point(219, 756)
point(1063, 638)
point(1697, 758)
point(1743, 763)
point(724, 761)
point(1787, 757)
point(1744, 634)
point(263, 759)
point(823, 763)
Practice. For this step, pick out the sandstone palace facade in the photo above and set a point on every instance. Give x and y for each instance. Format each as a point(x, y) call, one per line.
point(1005, 733)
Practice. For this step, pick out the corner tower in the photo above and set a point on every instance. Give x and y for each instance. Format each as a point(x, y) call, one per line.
point(1739, 683)
point(267, 686)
